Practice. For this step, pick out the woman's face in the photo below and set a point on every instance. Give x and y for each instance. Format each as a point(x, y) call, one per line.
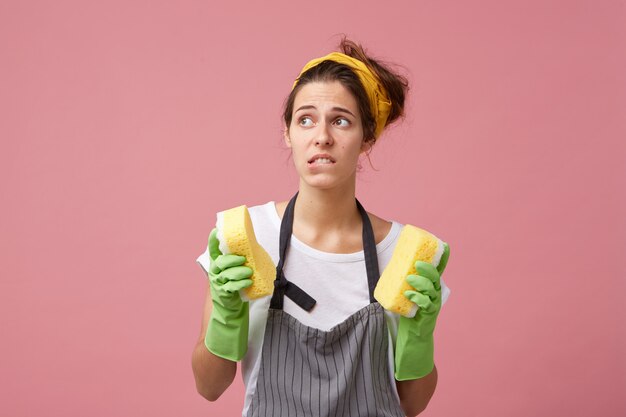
point(325, 135)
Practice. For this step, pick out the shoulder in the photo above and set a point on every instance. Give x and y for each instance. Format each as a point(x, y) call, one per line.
point(264, 212)
point(261, 208)
point(380, 226)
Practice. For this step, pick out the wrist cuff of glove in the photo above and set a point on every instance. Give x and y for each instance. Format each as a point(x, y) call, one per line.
point(228, 339)
point(414, 358)
point(415, 372)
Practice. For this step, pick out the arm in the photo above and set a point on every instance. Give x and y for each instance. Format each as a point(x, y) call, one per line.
point(212, 373)
point(415, 394)
point(224, 334)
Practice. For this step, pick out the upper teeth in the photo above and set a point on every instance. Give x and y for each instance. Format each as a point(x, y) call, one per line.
point(323, 160)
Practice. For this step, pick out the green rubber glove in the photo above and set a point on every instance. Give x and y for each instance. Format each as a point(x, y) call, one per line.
point(414, 354)
point(227, 332)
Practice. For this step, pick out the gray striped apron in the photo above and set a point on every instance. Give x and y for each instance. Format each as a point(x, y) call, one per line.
point(306, 371)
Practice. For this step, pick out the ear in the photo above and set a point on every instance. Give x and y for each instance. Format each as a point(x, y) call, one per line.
point(286, 137)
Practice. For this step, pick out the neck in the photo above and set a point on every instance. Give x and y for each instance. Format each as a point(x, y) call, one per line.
point(327, 209)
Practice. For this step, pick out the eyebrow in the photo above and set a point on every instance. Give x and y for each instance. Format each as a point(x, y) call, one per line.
point(339, 109)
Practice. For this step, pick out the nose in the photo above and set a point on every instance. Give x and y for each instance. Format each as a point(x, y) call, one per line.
point(323, 137)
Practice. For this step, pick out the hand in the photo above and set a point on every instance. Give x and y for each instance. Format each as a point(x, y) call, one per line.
point(227, 332)
point(415, 343)
point(227, 275)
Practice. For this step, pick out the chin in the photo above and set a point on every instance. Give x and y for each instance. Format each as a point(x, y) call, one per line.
point(322, 183)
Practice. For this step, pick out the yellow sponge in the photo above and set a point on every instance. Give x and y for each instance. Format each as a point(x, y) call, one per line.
point(413, 244)
point(236, 236)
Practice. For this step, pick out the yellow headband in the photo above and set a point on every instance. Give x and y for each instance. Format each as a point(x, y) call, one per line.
point(380, 105)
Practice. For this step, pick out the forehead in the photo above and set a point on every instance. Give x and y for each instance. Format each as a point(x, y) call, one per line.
point(328, 93)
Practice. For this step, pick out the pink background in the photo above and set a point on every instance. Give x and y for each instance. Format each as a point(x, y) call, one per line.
point(127, 125)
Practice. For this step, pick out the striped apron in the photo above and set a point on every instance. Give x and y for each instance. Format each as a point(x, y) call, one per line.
point(306, 371)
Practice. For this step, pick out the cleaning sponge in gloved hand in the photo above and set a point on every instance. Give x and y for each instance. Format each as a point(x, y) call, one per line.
point(414, 356)
point(227, 331)
point(414, 352)
point(414, 244)
point(236, 236)
point(410, 286)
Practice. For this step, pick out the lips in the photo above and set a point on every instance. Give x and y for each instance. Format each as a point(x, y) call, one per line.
point(324, 157)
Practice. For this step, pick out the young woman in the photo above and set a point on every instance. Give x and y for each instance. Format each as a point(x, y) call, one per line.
point(322, 345)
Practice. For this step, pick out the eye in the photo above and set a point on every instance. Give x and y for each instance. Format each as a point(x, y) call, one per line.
point(304, 119)
point(347, 122)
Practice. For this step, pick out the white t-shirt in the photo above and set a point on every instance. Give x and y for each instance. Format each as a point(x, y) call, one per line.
point(337, 281)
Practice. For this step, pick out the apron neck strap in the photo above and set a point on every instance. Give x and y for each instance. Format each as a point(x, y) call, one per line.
point(369, 250)
point(284, 287)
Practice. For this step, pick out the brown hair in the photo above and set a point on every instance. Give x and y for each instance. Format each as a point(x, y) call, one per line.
point(395, 84)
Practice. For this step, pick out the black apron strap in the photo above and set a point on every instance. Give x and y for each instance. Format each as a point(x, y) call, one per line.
point(284, 287)
point(369, 249)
